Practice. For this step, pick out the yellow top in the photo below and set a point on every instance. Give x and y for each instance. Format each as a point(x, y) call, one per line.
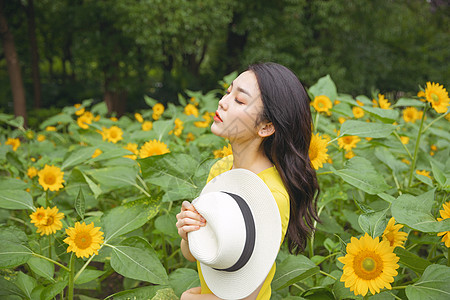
point(272, 179)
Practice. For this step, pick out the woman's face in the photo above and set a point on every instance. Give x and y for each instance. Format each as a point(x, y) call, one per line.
point(239, 109)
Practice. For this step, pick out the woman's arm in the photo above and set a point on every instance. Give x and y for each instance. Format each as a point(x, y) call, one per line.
point(188, 220)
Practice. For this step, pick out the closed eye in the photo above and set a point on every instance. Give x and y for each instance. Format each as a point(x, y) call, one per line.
point(237, 101)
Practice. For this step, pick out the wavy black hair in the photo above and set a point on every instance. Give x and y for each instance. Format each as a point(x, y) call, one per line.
point(287, 106)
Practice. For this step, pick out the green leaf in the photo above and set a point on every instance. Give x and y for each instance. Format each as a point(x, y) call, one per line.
point(12, 184)
point(411, 260)
point(165, 224)
point(415, 212)
point(324, 86)
point(13, 255)
point(42, 267)
point(408, 102)
point(136, 259)
point(49, 292)
point(385, 115)
point(433, 285)
point(165, 294)
point(390, 160)
point(366, 129)
point(147, 292)
point(13, 234)
point(80, 204)
point(128, 217)
point(78, 156)
point(360, 173)
point(183, 279)
point(114, 177)
point(150, 101)
point(174, 173)
point(89, 275)
point(438, 174)
point(373, 223)
point(16, 199)
point(292, 270)
point(26, 283)
point(111, 153)
point(7, 288)
point(54, 120)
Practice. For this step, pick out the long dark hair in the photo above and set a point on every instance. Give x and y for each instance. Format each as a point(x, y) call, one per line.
point(286, 105)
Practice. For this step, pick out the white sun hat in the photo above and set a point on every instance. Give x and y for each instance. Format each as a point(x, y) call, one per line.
point(240, 241)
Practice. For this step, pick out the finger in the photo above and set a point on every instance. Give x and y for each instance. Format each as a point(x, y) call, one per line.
point(189, 222)
point(182, 231)
point(186, 205)
point(192, 215)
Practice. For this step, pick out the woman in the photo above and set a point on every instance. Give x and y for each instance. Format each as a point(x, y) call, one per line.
point(266, 117)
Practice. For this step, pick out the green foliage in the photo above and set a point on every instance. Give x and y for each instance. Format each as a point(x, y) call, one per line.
point(133, 198)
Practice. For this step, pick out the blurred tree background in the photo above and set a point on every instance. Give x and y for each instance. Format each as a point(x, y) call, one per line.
point(57, 53)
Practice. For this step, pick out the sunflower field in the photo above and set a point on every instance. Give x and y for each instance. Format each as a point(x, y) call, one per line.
point(88, 201)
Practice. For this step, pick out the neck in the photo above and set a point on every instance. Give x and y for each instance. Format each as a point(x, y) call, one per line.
point(250, 157)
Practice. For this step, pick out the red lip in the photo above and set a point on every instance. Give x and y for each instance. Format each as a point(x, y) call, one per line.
point(217, 117)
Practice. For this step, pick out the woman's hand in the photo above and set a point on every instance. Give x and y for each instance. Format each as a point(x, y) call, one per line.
point(188, 220)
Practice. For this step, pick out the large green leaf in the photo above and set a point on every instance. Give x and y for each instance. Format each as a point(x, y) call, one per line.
point(89, 275)
point(433, 285)
point(324, 86)
point(385, 115)
point(384, 155)
point(78, 156)
point(146, 292)
point(411, 260)
point(16, 199)
point(13, 255)
point(26, 284)
point(50, 291)
point(135, 258)
point(292, 270)
point(175, 173)
point(366, 129)
point(12, 184)
point(183, 279)
point(415, 212)
point(114, 177)
point(373, 223)
point(360, 173)
point(408, 102)
point(7, 288)
point(128, 217)
point(42, 267)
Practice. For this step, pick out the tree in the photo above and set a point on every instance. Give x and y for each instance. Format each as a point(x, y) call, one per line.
point(15, 74)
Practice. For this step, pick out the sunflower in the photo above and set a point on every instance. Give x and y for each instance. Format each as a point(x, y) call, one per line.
point(178, 127)
point(138, 117)
point(190, 137)
point(225, 151)
point(206, 122)
point(437, 95)
point(132, 147)
point(383, 102)
point(318, 151)
point(32, 172)
point(341, 120)
point(358, 112)
point(114, 119)
point(349, 154)
point(147, 126)
point(39, 217)
point(84, 120)
point(190, 109)
point(40, 138)
point(15, 143)
point(410, 114)
point(114, 134)
point(348, 142)
point(84, 240)
point(368, 265)
point(153, 147)
point(424, 173)
point(97, 152)
point(50, 128)
point(158, 109)
point(445, 214)
point(52, 221)
point(392, 234)
point(322, 104)
point(51, 178)
point(80, 110)
point(404, 140)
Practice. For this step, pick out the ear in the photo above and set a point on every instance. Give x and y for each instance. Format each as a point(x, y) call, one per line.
point(267, 130)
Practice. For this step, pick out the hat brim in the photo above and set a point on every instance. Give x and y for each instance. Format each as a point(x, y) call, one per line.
point(241, 283)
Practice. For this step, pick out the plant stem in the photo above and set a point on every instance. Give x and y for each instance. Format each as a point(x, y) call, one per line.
point(47, 202)
point(71, 278)
point(448, 256)
point(326, 274)
point(50, 246)
point(416, 149)
point(404, 146)
point(324, 173)
point(52, 261)
point(316, 122)
point(435, 120)
point(400, 287)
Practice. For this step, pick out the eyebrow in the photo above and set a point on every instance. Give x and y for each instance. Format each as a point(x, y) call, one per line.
point(241, 90)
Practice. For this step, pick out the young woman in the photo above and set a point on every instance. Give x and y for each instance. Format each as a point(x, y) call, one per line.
point(266, 117)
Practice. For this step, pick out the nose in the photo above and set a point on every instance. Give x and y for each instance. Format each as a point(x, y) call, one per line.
point(223, 103)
